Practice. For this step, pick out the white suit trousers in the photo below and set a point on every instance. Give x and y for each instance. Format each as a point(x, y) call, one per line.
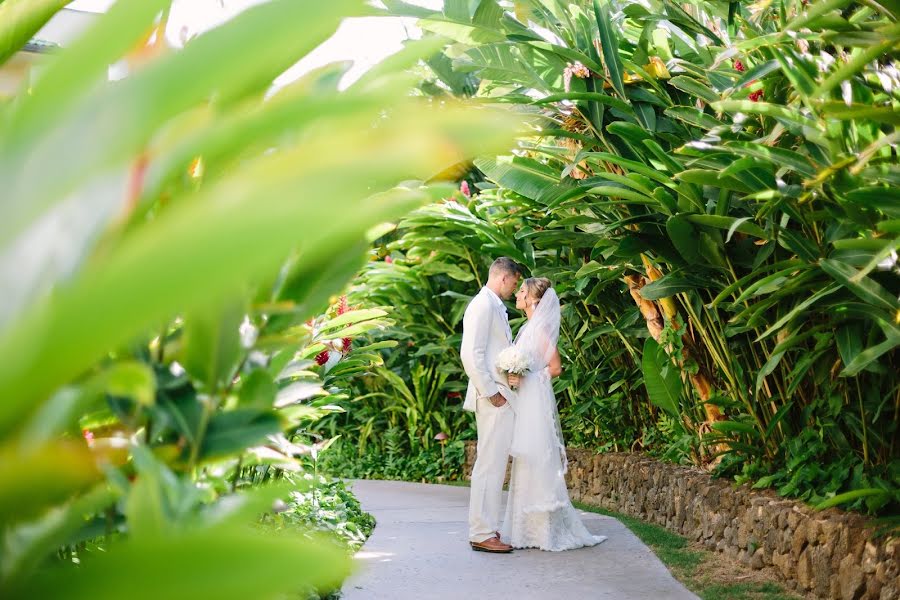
point(495, 431)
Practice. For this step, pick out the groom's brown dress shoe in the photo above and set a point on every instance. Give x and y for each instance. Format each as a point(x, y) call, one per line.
point(491, 545)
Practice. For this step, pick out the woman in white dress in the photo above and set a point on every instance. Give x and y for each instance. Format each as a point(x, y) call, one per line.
point(539, 513)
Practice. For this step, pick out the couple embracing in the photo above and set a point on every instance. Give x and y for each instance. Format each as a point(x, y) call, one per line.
point(516, 416)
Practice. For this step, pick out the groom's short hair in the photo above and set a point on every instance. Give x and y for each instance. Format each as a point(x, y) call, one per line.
point(506, 265)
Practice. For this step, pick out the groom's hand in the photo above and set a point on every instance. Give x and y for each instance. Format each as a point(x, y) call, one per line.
point(498, 400)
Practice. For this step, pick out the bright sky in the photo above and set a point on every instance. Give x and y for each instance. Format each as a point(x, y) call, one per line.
point(365, 41)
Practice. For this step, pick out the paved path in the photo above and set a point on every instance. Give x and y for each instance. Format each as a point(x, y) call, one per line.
point(419, 550)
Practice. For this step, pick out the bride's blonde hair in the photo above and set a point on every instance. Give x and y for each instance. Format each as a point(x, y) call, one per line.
point(535, 287)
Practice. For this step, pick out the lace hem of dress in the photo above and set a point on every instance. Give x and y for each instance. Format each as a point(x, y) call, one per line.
point(598, 539)
point(553, 531)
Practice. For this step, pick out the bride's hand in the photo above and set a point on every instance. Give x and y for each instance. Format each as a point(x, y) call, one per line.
point(513, 379)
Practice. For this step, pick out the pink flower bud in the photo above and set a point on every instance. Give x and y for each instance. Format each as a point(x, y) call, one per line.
point(464, 188)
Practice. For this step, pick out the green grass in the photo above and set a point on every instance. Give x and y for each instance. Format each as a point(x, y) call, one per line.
point(460, 483)
point(745, 591)
point(687, 564)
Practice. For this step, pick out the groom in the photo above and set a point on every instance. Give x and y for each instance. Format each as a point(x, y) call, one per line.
point(485, 334)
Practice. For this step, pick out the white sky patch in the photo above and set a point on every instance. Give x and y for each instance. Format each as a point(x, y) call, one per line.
point(365, 41)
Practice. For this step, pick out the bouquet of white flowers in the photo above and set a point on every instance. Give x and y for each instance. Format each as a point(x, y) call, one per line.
point(513, 360)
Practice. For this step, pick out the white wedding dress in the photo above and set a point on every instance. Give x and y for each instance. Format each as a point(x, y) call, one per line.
point(539, 513)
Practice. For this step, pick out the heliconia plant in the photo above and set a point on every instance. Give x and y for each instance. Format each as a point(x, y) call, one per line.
point(714, 192)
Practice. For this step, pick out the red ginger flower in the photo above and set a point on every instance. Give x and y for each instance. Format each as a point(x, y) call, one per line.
point(464, 188)
point(348, 345)
point(343, 307)
point(322, 357)
point(755, 96)
point(739, 66)
point(388, 259)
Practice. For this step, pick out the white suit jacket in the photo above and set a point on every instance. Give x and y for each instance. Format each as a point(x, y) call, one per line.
point(486, 333)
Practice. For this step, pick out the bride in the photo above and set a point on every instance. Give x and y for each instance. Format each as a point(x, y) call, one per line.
point(539, 513)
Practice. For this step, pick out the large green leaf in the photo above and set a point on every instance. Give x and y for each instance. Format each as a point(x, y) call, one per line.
point(38, 478)
point(488, 14)
point(82, 65)
point(685, 238)
point(527, 177)
point(664, 390)
point(865, 358)
point(851, 496)
point(190, 264)
point(765, 108)
point(232, 431)
point(731, 224)
point(610, 101)
point(797, 310)
point(571, 54)
point(778, 157)
point(693, 116)
point(610, 48)
point(713, 178)
point(258, 389)
point(119, 120)
point(865, 288)
point(21, 19)
point(198, 562)
point(406, 9)
point(466, 33)
point(694, 88)
point(212, 345)
point(308, 289)
point(671, 284)
point(131, 379)
point(881, 114)
point(501, 62)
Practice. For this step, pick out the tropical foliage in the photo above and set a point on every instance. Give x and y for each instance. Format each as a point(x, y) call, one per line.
point(391, 458)
point(714, 192)
point(166, 242)
point(327, 506)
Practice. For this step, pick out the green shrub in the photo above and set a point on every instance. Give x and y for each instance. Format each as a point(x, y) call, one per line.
point(427, 465)
point(324, 505)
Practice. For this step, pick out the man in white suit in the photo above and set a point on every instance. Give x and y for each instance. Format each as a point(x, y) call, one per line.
point(486, 333)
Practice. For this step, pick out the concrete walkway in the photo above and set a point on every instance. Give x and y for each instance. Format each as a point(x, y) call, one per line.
point(419, 550)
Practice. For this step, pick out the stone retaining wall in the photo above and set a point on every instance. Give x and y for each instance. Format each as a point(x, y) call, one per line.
point(829, 553)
